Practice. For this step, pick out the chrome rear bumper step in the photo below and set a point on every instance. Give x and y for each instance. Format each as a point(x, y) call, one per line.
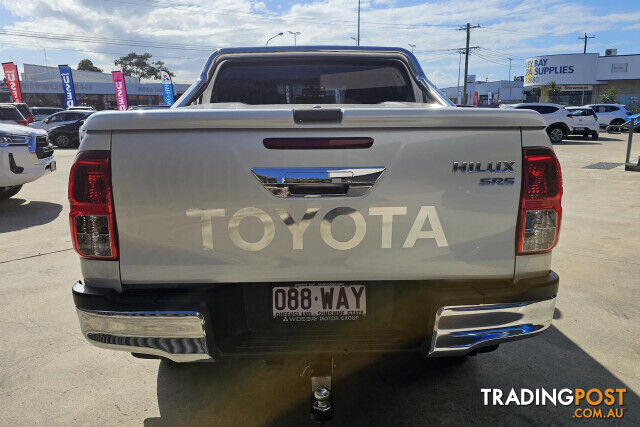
point(463, 328)
point(178, 335)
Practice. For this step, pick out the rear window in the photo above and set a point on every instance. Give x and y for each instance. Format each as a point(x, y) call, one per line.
point(24, 109)
point(10, 113)
point(338, 81)
point(49, 111)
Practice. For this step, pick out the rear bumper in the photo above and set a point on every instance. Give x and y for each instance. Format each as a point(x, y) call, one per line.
point(208, 323)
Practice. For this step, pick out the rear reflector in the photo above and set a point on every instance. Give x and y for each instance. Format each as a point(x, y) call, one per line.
point(316, 143)
point(540, 206)
point(92, 221)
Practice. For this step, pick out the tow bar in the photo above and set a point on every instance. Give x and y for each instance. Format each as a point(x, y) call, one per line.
point(321, 402)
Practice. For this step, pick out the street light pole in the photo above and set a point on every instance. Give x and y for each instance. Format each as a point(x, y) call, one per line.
point(277, 35)
point(358, 41)
point(295, 36)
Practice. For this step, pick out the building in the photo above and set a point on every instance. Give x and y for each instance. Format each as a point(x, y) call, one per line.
point(582, 78)
point(41, 86)
point(490, 94)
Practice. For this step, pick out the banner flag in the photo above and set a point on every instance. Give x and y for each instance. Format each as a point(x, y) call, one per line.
point(120, 90)
point(13, 80)
point(67, 85)
point(167, 88)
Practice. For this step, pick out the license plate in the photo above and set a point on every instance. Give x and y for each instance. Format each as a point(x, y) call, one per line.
point(319, 302)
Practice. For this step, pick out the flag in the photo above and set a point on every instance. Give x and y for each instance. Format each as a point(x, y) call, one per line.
point(13, 80)
point(167, 88)
point(67, 85)
point(120, 90)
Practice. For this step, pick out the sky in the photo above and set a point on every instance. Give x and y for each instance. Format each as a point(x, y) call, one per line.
point(183, 33)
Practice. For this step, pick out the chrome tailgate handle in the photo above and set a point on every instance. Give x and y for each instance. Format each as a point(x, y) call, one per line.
point(318, 182)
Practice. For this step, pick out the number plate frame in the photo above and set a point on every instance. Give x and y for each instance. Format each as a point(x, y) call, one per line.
point(313, 302)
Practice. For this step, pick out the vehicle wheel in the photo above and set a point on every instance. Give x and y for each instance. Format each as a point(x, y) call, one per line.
point(63, 141)
point(594, 135)
point(6, 192)
point(586, 134)
point(556, 134)
point(616, 122)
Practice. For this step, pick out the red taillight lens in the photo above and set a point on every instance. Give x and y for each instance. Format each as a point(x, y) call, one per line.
point(540, 207)
point(93, 227)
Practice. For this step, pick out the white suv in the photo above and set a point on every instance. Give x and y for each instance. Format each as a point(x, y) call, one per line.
point(25, 155)
point(610, 114)
point(585, 121)
point(558, 119)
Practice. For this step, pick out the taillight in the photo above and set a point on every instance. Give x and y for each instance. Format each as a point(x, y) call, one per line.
point(93, 226)
point(540, 206)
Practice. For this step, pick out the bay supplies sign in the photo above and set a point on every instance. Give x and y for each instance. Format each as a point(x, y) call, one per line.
point(571, 69)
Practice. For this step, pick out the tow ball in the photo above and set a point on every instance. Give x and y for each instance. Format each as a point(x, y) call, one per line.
point(320, 372)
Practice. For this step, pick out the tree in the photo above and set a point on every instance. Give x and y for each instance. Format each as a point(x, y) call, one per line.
point(139, 65)
point(552, 91)
point(609, 96)
point(87, 65)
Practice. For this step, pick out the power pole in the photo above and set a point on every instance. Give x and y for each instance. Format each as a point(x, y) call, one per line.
point(358, 41)
point(585, 38)
point(468, 29)
point(510, 59)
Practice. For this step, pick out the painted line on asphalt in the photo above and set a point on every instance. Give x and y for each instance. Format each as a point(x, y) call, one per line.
point(34, 256)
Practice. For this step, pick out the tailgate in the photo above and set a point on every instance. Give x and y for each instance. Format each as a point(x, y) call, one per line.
point(190, 207)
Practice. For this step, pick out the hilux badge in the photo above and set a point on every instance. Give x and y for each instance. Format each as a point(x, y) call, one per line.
point(488, 168)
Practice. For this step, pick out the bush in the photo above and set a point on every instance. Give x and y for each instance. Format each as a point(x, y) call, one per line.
point(609, 96)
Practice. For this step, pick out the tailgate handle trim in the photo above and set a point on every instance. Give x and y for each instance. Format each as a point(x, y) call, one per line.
point(317, 115)
point(318, 182)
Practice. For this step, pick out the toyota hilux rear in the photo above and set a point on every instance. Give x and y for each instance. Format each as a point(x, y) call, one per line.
point(305, 201)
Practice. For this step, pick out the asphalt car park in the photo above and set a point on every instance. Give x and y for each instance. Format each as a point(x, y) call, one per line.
point(49, 374)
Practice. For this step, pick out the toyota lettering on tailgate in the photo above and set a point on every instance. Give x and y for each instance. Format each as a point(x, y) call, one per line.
point(426, 225)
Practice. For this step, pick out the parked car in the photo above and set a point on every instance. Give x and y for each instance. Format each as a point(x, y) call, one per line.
point(24, 110)
point(81, 108)
point(585, 122)
point(610, 114)
point(25, 155)
point(61, 118)
point(41, 113)
point(557, 118)
point(67, 135)
point(148, 107)
point(9, 114)
point(381, 219)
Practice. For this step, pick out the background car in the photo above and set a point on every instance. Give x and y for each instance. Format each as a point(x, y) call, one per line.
point(81, 108)
point(41, 113)
point(67, 135)
point(61, 118)
point(148, 107)
point(25, 155)
point(585, 122)
point(558, 120)
point(9, 114)
point(24, 110)
point(610, 114)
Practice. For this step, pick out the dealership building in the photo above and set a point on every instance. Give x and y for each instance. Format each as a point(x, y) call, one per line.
point(582, 78)
point(41, 86)
point(490, 94)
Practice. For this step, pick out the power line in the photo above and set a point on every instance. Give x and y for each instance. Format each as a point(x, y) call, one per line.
point(227, 12)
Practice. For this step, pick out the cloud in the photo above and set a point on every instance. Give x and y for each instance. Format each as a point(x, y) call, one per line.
point(182, 33)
